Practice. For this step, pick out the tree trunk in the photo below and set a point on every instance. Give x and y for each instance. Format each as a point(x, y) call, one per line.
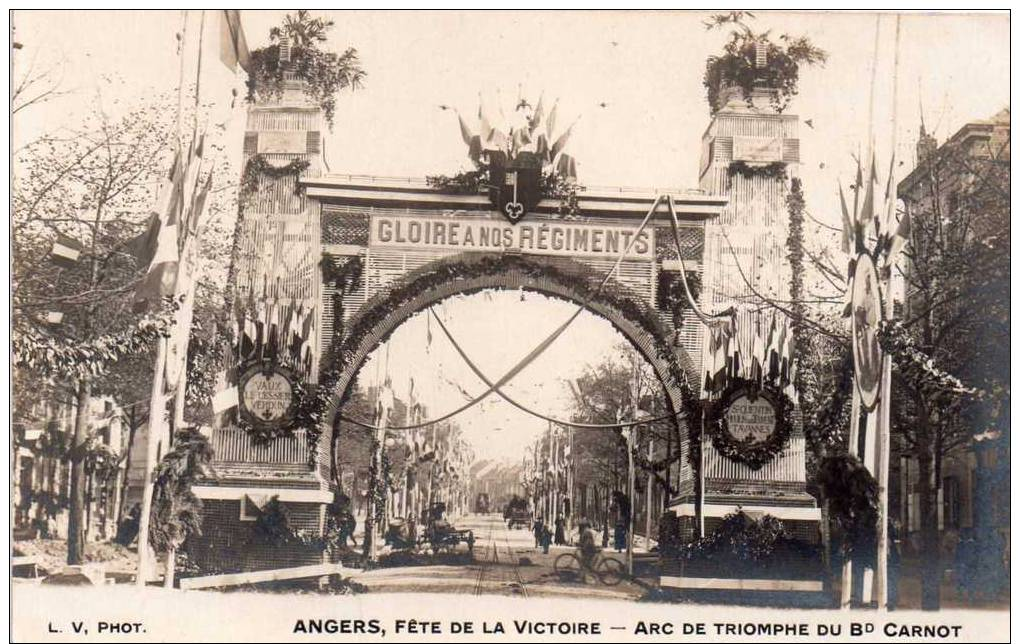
point(171, 562)
point(75, 519)
point(133, 425)
point(931, 565)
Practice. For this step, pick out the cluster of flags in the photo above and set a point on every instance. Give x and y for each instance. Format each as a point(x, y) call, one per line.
point(872, 216)
point(279, 330)
point(549, 457)
point(529, 130)
point(756, 346)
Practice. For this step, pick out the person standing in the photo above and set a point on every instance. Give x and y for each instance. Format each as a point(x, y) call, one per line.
point(561, 537)
point(546, 538)
point(537, 529)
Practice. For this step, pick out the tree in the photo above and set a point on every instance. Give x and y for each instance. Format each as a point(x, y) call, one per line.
point(91, 186)
point(951, 378)
point(611, 392)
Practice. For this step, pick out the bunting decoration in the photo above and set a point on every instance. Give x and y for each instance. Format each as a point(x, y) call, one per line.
point(756, 346)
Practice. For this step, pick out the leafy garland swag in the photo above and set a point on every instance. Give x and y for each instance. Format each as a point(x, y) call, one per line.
point(312, 408)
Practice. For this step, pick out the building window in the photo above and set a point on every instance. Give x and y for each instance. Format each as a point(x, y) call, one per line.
point(951, 502)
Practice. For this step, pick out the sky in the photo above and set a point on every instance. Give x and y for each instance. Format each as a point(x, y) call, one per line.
point(646, 67)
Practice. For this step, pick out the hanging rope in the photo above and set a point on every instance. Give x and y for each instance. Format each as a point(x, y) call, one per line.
point(538, 350)
point(528, 410)
point(714, 320)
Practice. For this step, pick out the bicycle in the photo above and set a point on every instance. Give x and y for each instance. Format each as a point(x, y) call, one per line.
point(607, 570)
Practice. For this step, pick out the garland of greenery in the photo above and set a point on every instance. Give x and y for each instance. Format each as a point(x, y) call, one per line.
point(754, 455)
point(311, 411)
point(775, 170)
point(259, 166)
point(852, 493)
point(176, 511)
point(72, 358)
point(265, 433)
point(795, 255)
point(551, 186)
point(672, 297)
point(919, 368)
point(324, 74)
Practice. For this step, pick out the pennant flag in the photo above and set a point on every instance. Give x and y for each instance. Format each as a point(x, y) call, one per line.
point(536, 116)
point(66, 251)
point(233, 45)
point(157, 247)
point(848, 227)
point(465, 132)
point(899, 238)
point(550, 123)
point(561, 142)
point(567, 167)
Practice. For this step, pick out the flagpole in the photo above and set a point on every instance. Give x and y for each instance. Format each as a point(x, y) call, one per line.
point(157, 418)
point(846, 587)
point(157, 399)
point(883, 434)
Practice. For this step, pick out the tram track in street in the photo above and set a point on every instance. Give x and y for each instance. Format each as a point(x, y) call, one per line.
point(492, 572)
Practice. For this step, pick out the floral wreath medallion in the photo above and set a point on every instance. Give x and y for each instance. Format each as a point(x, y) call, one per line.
point(268, 396)
point(750, 424)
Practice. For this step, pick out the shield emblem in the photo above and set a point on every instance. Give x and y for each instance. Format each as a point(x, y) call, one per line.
point(515, 189)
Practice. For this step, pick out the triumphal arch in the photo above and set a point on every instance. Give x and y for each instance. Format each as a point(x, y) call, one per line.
point(328, 265)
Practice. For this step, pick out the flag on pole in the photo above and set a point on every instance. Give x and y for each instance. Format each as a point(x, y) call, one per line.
point(561, 142)
point(233, 45)
point(66, 251)
point(157, 247)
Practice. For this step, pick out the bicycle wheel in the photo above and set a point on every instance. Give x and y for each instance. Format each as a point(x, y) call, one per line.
point(567, 566)
point(610, 571)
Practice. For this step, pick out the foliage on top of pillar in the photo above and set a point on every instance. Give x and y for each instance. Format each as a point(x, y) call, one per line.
point(324, 74)
point(754, 61)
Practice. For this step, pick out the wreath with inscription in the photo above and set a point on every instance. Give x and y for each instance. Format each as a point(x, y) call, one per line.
point(748, 449)
point(264, 427)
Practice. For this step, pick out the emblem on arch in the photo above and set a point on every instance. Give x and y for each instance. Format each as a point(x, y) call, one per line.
point(515, 187)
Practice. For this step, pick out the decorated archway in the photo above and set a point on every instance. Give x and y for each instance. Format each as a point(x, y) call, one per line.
point(468, 273)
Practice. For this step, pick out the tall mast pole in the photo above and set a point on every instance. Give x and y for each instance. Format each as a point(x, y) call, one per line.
point(157, 429)
point(883, 440)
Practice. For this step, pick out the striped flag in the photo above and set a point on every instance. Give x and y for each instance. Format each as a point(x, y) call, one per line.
point(233, 45)
point(66, 251)
point(179, 201)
